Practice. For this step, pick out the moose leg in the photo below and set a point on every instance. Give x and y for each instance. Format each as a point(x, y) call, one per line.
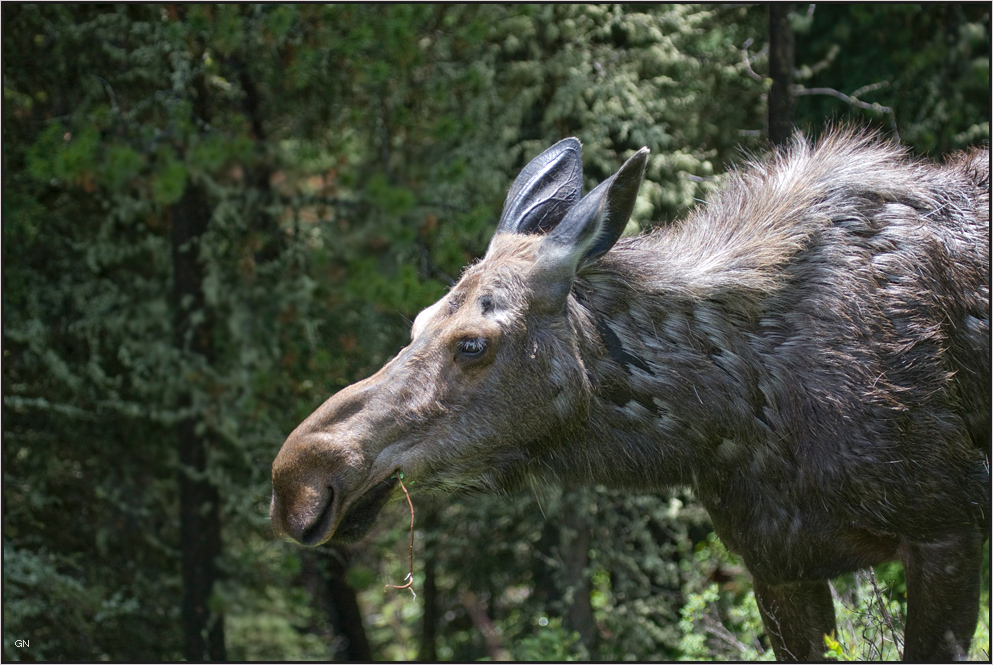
point(942, 598)
point(796, 617)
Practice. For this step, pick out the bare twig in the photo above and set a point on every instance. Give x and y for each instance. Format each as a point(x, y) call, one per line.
point(714, 626)
point(809, 71)
point(853, 100)
point(872, 87)
point(885, 613)
point(747, 61)
point(485, 625)
point(848, 99)
point(410, 574)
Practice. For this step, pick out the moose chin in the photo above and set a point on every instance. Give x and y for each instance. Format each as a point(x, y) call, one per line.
point(809, 352)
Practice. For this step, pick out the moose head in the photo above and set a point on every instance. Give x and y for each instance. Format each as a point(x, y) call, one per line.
point(491, 384)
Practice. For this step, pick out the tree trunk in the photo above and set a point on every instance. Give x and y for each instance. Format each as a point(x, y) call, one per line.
point(200, 523)
point(323, 574)
point(781, 72)
point(345, 614)
point(199, 499)
point(429, 595)
point(575, 555)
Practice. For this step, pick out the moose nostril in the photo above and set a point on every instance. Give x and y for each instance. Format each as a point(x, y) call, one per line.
point(318, 528)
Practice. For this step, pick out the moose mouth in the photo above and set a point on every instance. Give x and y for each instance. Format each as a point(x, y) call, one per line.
point(356, 522)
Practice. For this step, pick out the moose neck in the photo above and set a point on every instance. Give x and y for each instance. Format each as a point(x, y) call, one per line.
point(671, 369)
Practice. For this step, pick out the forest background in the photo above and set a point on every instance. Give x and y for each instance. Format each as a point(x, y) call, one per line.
point(215, 216)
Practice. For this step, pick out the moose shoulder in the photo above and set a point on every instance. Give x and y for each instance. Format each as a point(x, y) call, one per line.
point(809, 352)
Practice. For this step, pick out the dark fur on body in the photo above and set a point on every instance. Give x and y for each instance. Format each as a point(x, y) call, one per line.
point(810, 352)
point(803, 345)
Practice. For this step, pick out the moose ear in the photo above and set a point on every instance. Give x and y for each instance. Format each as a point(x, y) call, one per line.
point(593, 225)
point(545, 190)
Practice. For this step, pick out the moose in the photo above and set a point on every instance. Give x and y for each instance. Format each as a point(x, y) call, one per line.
point(809, 352)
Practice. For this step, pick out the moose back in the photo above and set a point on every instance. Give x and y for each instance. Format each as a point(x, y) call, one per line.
point(809, 352)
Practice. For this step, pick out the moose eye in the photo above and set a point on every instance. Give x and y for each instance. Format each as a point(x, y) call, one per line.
point(471, 347)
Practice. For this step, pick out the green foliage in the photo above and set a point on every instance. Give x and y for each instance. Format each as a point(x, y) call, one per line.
point(715, 627)
point(272, 625)
point(719, 621)
point(551, 643)
point(871, 609)
point(870, 619)
point(929, 64)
